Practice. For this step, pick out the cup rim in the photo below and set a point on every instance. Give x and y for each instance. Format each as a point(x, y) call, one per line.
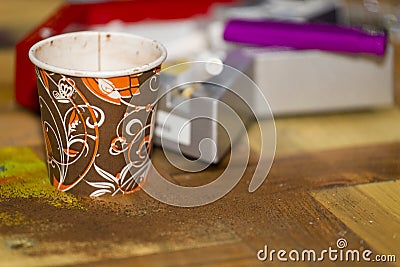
point(97, 74)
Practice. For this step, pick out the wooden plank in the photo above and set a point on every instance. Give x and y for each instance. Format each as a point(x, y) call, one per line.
point(315, 170)
point(372, 211)
point(107, 230)
point(281, 214)
point(191, 257)
point(332, 131)
point(20, 127)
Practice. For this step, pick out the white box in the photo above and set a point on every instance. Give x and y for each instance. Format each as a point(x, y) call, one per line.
point(298, 82)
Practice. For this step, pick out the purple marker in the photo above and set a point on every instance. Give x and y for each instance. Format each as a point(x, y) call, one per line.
point(305, 36)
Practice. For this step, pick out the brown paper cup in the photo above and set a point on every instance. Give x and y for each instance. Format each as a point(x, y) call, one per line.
point(97, 120)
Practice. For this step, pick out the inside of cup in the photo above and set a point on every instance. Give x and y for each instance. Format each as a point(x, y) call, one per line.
point(97, 52)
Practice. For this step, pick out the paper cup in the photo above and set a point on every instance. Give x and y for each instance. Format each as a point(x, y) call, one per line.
point(97, 119)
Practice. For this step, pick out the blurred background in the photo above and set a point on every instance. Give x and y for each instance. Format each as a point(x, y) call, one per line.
point(311, 92)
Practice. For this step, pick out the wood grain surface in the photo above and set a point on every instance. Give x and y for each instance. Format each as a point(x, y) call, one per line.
point(304, 204)
point(372, 211)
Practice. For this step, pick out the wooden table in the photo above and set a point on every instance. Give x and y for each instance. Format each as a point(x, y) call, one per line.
point(334, 176)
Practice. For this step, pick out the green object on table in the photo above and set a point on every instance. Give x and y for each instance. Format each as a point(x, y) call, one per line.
point(24, 175)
